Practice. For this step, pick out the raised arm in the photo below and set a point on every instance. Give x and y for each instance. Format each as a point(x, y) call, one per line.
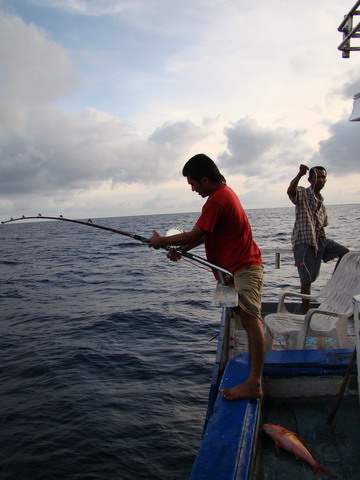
point(291, 191)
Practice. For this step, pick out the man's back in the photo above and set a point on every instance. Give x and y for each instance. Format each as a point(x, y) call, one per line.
point(228, 239)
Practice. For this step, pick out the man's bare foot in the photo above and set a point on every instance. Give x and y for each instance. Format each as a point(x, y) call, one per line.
point(242, 391)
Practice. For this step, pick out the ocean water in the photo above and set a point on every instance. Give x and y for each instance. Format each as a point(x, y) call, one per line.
point(106, 347)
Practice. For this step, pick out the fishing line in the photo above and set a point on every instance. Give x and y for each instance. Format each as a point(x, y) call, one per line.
point(211, 339)
point(307, 270)
point(224, 275)
point(272, 334)
point(314, 222)
point(196, 265)
point(317, 200)
point(303, 262)
point(269, 329)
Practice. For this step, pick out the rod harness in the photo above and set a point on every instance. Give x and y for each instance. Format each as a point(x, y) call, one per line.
point(224, 275)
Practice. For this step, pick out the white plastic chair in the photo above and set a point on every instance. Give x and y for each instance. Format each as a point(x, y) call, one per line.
point(330, 319)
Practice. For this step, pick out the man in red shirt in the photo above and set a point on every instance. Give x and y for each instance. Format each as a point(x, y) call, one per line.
point(224, 228)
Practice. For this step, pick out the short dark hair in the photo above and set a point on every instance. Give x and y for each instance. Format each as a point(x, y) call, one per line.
point(201, 166)
point(312, 171)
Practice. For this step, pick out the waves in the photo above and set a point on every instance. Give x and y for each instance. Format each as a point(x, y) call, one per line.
point(105, 345)
point(109, 393)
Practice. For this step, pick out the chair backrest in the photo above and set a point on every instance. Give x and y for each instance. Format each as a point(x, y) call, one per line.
point(338, 292)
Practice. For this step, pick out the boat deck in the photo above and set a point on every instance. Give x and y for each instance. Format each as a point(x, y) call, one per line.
point(232, 434)
point(334, 446)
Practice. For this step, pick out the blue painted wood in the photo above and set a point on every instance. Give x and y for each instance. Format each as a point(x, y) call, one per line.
point(294, 363)
point(216, 370)
point(227, 447)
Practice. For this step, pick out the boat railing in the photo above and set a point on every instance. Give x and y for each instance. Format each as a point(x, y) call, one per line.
point(349, 32)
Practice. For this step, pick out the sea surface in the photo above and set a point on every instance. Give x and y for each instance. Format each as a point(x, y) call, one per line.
point(107, 347)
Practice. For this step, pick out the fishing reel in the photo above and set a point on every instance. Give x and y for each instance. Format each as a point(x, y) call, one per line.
point(173, 231)
point(172, 254)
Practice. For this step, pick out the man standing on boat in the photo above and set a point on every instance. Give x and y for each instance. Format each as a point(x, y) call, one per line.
point(224, 228)
point(309, 241)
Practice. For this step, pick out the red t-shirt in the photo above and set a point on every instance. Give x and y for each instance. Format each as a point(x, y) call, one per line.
point(228, 239)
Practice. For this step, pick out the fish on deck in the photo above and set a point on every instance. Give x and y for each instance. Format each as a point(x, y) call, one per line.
point(289, 441)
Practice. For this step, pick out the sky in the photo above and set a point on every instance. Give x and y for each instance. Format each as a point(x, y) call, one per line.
point(103, 101)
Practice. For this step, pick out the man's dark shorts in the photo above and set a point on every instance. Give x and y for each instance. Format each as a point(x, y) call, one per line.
point(308, 260)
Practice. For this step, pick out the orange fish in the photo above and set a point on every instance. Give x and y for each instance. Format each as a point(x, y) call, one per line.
point(291, 442)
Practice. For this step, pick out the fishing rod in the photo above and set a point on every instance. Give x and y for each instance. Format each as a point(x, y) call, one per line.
point(222, 272)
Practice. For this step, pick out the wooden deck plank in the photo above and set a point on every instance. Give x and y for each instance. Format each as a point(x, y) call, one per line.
point(335, 446)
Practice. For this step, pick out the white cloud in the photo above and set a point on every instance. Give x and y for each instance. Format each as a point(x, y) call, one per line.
point(84, 7)
point(101, 110)
point(62, 151)
point(254, 150)
point(341, 151)
point(46, 150)
point(35, 69)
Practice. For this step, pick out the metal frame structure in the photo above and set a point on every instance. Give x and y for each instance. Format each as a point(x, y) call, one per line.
point(349, 31)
